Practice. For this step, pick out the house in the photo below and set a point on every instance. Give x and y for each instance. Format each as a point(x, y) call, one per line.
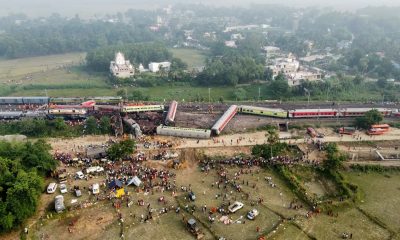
point(295, 79)
point(120, 67)
point(271, 51)
point(231, 44)
point(157, 66)
point(285, 65)
point(237, 36)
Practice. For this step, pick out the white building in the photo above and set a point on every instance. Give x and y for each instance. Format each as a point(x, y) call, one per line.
point(120, 67)
point(295, 79)
point(285, 65)
point(231, 44)
point(271, 51)
point(156, 66)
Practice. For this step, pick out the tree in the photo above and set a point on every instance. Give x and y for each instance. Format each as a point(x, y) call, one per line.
point(91, 125)
point(19, 192)
point(382, 83)
point(137, 95)
point(334, 158)
point(268, 74)
point(358, 80)
point(371, 117)
point(280, 86)
point(37, 156)
point(105, 125)
point(121, 150)
point(273, 136)
point(240, 94)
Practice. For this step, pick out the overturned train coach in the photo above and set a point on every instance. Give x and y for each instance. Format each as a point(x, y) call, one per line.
point(224, 120)
point(171, 113)
point(183, 132)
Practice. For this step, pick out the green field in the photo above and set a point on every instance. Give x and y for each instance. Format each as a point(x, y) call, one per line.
point(381, 194)
point(14, 69)
point(193, 58)
point(64, 76)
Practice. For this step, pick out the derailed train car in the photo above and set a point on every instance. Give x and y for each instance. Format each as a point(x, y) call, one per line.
point(68, 113)
point(224, 120)
point(262, 111)
point(11, 115)
point(183, 132)
point(142, 108)
point(171, 113)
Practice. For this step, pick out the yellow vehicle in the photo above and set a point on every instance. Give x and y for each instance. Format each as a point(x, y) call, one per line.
point(268, 112)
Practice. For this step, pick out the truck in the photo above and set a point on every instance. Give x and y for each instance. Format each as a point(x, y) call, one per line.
point(59, 203)
point(193, 229)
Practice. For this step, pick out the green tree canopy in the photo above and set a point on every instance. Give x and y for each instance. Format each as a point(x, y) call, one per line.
point(371, 117)
point(91, 125)
point(20, 183)
point(121, 150)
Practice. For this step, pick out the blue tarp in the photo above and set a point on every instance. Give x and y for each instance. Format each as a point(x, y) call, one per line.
point(115, 183)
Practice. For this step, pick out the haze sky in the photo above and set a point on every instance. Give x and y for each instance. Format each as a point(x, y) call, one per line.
point(91, 7)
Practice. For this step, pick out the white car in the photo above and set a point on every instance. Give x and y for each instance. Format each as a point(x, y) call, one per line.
point(79, 175)
point(52, 187)
point(252, 214)
point(63, 188)
point(96, 188)
point(235, 206)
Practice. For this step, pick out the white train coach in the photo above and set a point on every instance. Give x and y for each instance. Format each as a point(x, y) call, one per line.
point(224, 120)
point(183, 132)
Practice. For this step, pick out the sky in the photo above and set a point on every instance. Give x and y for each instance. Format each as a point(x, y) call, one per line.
point(88, 8)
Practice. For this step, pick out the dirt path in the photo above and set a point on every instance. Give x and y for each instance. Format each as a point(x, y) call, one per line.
point(386, 163)
point(251, 139)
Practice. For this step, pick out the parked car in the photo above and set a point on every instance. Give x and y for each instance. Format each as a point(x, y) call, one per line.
point(59, 203)
point(192, 196)
point(63, 188)
point(235, 206)
point(96, 169)
point(52, 187)
point(79, 175)
point(96, 188)
point(78, 192)
point(252, 214)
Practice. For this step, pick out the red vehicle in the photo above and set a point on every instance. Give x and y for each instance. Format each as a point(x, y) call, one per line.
point(375, 131)
point(383, 127)
point(347, 130)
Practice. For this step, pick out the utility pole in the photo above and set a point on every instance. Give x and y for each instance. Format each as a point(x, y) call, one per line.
point(259, 93)
point(308, 93)
point(209, 95)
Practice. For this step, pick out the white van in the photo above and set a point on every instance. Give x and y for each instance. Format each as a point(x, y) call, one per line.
point(79, 175)
point(96, 188)
point(52, 187)
point(235, 206)
point(59, 203)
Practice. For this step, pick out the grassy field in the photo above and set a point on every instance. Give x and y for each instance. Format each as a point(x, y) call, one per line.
point(377, 216)
point(14, 69)
point(193, 58)
point(381, 196)
point(61, 75)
